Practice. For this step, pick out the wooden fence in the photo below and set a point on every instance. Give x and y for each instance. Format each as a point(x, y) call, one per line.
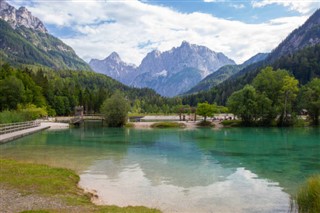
point(13, 127)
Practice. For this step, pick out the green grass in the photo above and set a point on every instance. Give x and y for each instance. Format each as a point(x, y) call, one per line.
point(129, 125)
point(168, 125)
point(205, 124)
point(308, 197)
point(57, 183)
point(231, 123)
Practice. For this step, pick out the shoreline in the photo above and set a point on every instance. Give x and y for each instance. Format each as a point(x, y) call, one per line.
point(190, 125)
point(39, 196)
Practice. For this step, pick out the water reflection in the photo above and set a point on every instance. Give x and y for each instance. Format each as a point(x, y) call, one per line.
point(228, 170)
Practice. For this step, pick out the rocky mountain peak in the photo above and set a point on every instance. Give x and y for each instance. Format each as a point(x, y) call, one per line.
point(114, 57)
point(185, 44)
point(169, 73)
point(154, 54)
point(21, 17)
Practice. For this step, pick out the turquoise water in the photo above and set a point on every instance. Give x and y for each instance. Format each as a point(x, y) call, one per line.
point(202, 170)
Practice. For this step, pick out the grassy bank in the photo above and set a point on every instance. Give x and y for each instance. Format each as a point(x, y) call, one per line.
point(168, 125)
point(308, 197)
point(231, 123)
point(56, 183)
point(205, 124)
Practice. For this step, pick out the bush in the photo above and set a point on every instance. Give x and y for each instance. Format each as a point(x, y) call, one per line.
point(31, 112)
point(11, 117)
point(129, 125)
point(168, 125)
point(308, 197)
point(24, 113)
point(205, 124)
point(115, 110)
point(231, 123)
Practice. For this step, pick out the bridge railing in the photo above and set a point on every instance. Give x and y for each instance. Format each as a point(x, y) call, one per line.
point(13, 127)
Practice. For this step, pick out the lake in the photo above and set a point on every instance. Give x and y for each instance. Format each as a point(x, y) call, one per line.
point(202, 170)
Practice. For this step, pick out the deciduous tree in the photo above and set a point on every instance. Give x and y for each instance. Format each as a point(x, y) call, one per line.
point(115, 110)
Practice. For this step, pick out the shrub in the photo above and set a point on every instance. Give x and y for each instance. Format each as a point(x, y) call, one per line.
point(11, 117)
point(168, 125)
point(231, 123)
point(115, 110)
point(129, 125)
point(308, 197)
point(205, 124)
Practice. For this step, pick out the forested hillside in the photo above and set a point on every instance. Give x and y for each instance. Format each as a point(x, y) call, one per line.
point(28, 47)
point(303, 65)
point(60, 91)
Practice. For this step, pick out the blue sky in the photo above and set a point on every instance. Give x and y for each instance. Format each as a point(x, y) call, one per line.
point(239, 29)
point(232, 10)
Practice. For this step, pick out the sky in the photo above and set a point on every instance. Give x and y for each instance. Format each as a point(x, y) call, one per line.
point(132, 28)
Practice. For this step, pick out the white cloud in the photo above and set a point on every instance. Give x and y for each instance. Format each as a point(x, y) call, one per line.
point(237, 6)
point(302, 6)
point(135, 23)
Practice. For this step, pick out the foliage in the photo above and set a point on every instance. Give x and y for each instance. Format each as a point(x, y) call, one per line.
point(23, 113)
point(60, 91)
point(31, 112)
point(272, 96)
point(168, 125)
point(7, 116)
point(310, 99)
point(216, 78)
point(303, 65)
point(129, 125)
point(205, 110)
point(205, 124)
point(231, 123)
point(308, 197)
point(243, 103)
point(54, 182)
point(18, 47)
point(115, 110)
point(281, 89)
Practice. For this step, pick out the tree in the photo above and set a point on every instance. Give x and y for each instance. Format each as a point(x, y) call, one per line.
point(115, 110)
point(182, 109)
point(310, 99)
point(243, 103)
point(136, 106)
point(205, 110)
point(11, 93)
point(288, 93)
point(281, 89)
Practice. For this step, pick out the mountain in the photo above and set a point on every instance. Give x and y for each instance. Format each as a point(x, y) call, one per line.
point(170, 84)
point(224, 73)
point(21, 17)
point(169, 73)
point(187, 55)
point(306, 35)
point(298, 53)
point(175, 71)
point(25, 40)
point(256, 58)
point(114, 67)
